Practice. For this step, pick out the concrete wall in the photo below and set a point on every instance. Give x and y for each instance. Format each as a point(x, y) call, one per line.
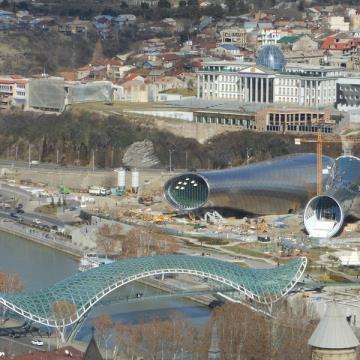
point(200, 132)
point(150, 180)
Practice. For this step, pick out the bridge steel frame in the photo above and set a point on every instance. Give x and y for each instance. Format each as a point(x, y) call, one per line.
point(84, 290)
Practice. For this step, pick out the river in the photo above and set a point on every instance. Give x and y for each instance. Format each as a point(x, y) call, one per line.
point(40, 266)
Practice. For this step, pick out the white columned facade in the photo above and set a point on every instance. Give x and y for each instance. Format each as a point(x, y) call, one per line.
point(251, 89)
point(256, 90)
point(198, 85)
point(267, 90)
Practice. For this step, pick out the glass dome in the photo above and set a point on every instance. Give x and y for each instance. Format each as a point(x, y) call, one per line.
point(272, 57)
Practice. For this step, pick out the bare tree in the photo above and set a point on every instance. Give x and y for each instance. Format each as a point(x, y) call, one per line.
point(108, 238)
point(146, 241)
point(296, 320)
point(128, 339)
point(62, 311)
point(103, 325)
point(158, 339)
point(9, 282)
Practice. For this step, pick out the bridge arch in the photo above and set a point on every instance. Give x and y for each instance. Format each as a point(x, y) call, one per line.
point(86, 289)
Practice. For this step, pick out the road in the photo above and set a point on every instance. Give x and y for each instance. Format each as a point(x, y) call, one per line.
point(12, 164)
point(28, 218)
point(21, 345)
point(23, 197)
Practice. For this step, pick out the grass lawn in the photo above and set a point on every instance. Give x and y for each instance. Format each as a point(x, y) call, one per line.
point(183, 92)
point(47, 209)
point(249, 252)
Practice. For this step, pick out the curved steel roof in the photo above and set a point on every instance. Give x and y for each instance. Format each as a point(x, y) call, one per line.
point(84, 290)
point(269, 187)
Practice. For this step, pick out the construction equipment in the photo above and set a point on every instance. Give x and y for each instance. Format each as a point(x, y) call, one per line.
point(213, 217)
point(319, 153)
point(159, 219)
point(64, 190)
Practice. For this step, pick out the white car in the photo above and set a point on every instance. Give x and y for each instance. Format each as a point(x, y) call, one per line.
point(37, 342)
point(36, 221)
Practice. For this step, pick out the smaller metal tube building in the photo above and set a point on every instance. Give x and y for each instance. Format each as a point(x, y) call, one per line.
point(324, 214)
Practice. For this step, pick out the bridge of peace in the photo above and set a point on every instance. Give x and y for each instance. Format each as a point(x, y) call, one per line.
point(84, 290)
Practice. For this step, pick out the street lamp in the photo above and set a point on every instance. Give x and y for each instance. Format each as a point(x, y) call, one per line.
point(170, 155)
point(29, 155)
point(248, 149)
point(93, 160)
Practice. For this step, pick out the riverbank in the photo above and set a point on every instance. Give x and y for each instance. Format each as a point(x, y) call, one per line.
point(43, 238)
point(39, 237)
point(170, 286)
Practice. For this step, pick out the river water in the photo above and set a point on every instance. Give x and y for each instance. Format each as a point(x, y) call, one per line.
point(40, 266)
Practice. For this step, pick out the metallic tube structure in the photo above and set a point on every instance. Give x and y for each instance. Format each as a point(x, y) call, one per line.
point(278, 186)
point(324, 214)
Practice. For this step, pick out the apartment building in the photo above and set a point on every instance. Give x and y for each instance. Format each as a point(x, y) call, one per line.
point(348, 94)
point(13, 91)
point(236, 36)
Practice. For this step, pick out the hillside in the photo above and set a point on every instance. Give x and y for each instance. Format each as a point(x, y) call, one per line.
point(76, 134)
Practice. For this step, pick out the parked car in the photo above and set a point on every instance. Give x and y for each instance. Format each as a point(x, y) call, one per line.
point(37, 342)
point(14, 215)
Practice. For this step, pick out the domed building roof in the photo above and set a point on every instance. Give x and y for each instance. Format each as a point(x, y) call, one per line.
point(272, 57)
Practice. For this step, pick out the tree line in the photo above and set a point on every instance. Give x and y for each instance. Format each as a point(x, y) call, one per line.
point(140, 241)
point(241, 333)
point(72, 137)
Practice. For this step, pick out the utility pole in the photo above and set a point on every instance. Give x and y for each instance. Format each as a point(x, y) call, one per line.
point(186, 160)
point(16, 152)
point(170, 153)
point(57, 156)
point(248, 155)
point(93, 160)
point(29, 155)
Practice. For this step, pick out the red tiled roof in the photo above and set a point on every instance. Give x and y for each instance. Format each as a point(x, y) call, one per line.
point(52, 355)
point(13, 81)
point(170, 57)
point(68, 75)
point(338, 44)
point(108, 62)
point(131, 76)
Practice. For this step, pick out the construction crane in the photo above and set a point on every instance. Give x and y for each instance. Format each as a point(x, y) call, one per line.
point(319, 140)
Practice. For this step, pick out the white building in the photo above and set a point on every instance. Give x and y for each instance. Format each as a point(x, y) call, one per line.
point(296, 84)
point(271, 36)
point(307, 85)
point(348, 94)
point(337, 23)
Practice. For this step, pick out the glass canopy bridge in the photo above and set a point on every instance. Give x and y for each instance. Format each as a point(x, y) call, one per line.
point(80, 292)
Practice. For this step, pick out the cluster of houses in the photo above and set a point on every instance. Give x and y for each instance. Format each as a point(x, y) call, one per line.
point(322, 40)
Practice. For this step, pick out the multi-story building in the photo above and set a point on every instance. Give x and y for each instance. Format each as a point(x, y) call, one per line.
point(13, 91)
point(307, 85)
point(294, 120)
point(340, 46)
point(270, 36)
point(270, 119)
point(338, 23)
point(235, 36)
point(299, 84)
point(348, 94)
point(243, 82)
